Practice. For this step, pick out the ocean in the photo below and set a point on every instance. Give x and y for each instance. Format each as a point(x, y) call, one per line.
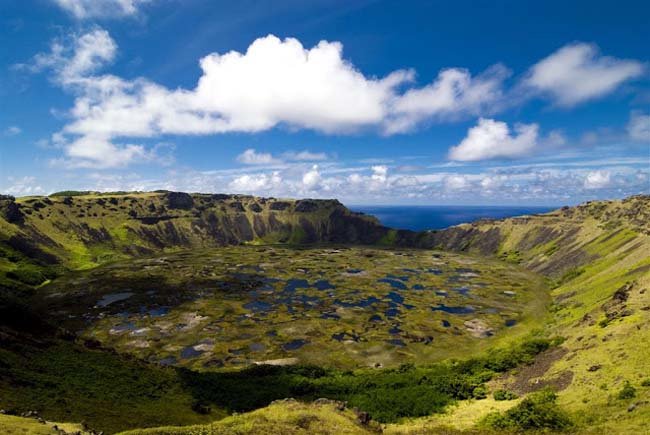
point(435, 217)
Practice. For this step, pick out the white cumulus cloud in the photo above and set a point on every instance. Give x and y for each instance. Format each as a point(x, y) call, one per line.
point(311, 178)
point(456, 182)
point(23, 186)
point(279, 81)
point(578, 72)
point(491, 139)
point(251, 183)
point(274, 82)
point(597, 180)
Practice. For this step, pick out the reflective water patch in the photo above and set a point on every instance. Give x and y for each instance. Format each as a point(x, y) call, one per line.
point(468, 309)
point(106, 300)
point(294, 283)
point(397, 342)
point(190, 352)
point(294, 344)
point(257, 306)
point(393, 283)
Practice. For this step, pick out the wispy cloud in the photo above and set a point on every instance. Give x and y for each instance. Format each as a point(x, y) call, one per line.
point(578, 72)
point(12, 130)
point(87, 9)
point(638, 128)
point(254, 157)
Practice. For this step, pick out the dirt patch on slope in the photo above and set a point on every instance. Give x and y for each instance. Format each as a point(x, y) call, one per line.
point(528, 378)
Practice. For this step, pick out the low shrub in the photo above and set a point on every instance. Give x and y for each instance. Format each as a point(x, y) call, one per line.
point(504, 395)
point(479, 392)
point(537, 411)
point(627, 392)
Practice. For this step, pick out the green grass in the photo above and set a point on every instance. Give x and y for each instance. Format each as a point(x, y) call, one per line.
point(286, 417)
point(111, 393)
point(13, 425)
point(65, 382)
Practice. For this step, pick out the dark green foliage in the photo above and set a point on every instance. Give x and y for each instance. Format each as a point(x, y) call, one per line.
point(66, 382)
point(603, 323)
point(388, 395)
point(627, 392)
point(10, 254)
point(479, 392)
point(500, 360)
point(511, 256)
point(504, 395)
point(31, 274)
point(386, 404)
point(537, 411)
point(645, 383)
point(571, 274)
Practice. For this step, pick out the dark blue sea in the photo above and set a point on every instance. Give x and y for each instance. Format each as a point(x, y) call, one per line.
point(435, 217)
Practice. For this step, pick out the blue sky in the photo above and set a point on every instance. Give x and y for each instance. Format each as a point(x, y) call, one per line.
point(479, 102)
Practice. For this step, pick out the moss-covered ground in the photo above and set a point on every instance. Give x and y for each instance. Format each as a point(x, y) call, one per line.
point(340, 307)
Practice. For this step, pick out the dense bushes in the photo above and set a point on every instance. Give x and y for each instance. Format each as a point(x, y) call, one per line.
point(537, 411)
point(388, 395)
point(387, 404)
point(500, 360)
point(68, 382)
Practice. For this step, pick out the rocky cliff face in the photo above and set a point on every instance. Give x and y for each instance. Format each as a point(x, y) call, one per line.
point(78, 231)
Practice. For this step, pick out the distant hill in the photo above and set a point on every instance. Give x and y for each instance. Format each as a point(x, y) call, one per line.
point(42, 236)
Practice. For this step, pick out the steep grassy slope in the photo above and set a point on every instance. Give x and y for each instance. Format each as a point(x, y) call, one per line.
point(597, 256)
point(560, 244)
